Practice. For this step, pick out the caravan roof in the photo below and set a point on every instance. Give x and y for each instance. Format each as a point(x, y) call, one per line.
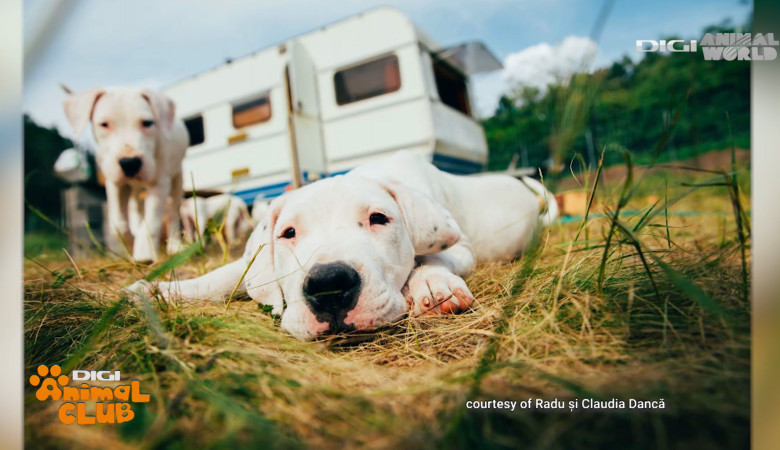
point(381, 12)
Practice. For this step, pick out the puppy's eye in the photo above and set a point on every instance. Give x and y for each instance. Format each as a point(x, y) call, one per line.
point(147, 123)
point(289, 233)
point(378, 219)
point(104, 124)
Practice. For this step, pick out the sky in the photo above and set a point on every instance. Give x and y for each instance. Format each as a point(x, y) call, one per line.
point(150, 43)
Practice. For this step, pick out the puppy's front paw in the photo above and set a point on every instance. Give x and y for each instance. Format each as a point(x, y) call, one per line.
point(436, 290)
point(174, 246)
point(136, 291)
point(143, 250)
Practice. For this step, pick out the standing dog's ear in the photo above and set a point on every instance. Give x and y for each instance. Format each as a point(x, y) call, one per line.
point(163, 108)
point(430, 226)
point(79, 107)
point(260, 280)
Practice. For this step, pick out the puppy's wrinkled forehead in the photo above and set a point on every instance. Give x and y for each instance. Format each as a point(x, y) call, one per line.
point(122, 106)
point(337, 199)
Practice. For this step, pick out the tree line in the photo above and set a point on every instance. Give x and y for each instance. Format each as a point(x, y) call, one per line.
point(674, 104)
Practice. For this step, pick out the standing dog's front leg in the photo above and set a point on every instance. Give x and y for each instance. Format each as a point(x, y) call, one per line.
point(436, 284)
point(120, 237)
point(135, 214)
point(174, 228)
point(148, 238)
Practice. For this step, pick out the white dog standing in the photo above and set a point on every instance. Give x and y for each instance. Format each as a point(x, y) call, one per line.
point(361, 250)
point(198, 210)
point(140, 147)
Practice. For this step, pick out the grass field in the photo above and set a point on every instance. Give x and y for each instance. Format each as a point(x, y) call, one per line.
point(647, 304)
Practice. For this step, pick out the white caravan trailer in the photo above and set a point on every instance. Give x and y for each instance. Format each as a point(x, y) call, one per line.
point(322, 103)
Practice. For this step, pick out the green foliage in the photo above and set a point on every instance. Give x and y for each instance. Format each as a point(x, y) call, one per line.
point(42, 146)
point(39, 243)
point(628, 106)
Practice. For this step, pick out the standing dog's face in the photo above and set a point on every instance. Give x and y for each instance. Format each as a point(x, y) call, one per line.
point(127, 125)
point(341, 249)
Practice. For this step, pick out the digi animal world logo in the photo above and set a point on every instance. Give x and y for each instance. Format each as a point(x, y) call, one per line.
point(720, 46)
point(111, 405)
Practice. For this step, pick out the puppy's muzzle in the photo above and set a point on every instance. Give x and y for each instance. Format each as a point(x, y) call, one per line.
point(331, 291)
point(130, 166)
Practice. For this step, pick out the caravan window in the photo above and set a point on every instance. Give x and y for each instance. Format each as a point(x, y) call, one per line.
point(451, 86)
point(367, 80)
point(252, 112)
point(195, 128)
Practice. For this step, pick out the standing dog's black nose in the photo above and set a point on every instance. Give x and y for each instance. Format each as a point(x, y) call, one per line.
point(130, 166)
point(331, 291)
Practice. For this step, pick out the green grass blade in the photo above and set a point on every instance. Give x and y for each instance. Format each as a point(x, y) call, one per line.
point(689, 288)
point(175, 261)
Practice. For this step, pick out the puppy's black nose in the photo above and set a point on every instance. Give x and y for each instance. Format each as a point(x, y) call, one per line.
point(331, 290)
point(130, 166)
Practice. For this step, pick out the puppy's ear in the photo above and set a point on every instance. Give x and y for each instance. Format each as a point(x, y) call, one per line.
point(261, 280)
point(430, 226)
point(163, 107)
point(79, 107)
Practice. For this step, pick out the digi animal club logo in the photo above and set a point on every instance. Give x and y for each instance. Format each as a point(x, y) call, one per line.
point(111, 404)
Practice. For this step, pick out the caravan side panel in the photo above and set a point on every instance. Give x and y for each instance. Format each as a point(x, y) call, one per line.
point(458, 135)
point(234, 158)
point(399, 118)
point(391, 121)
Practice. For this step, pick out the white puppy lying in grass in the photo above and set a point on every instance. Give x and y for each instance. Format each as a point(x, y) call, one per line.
point(359, 251)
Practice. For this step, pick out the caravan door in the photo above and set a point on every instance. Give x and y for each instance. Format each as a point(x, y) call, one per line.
point(306, 118)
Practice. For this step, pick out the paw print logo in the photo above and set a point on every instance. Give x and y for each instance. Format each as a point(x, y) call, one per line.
point(48, 378)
